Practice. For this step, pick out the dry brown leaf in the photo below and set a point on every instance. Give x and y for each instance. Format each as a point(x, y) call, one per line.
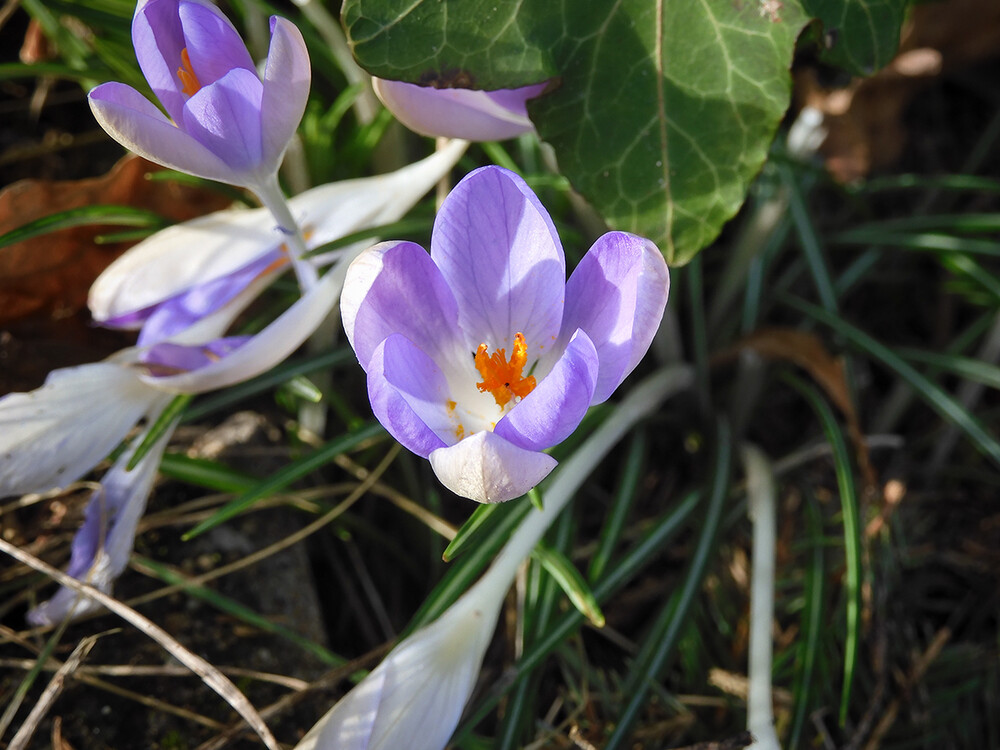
point(52, 273)
point(808, 352)
point(864, 120)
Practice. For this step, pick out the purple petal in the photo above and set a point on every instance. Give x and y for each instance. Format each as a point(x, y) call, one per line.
point(394, 287)
point(57, 433)
point(617, 295)
point(183, 310)
point(488, 469)
point(169, 359)
point(409, 394)
point(550, 413)
point(225, 117)
point(213, 44)
point(158, 40)
point(103, 545)
point(287, 76)
point(139, 126)
point(459, 113)
point(499, 252)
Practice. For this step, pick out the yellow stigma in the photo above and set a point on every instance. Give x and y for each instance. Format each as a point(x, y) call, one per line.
point(502, 378)
point(189, 81)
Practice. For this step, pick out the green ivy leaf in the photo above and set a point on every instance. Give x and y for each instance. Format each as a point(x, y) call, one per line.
point(860, 36)
point(662, 111)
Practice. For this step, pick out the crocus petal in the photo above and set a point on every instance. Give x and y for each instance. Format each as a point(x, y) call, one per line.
point(415, 697)
point(489, 469)
point(549, 414)
point(394, 287)
point(287, 77)
point(262, 352)
point(158, 40)
point(617, 295)
point(184, 310)
point(56, 434)
point(169, 358)
point(225, 118)
point(459, 113)
point(213, 43)
point(500, 253)
point(408, 394)
point(102, 546)
point(139, 126)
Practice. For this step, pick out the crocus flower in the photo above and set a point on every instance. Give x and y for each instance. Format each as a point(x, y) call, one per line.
point(459, 113)
point(184, 287)
point(415, 697)
point(226, 122)
point(433, 333)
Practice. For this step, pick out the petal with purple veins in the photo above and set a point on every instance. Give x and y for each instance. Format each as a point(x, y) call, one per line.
point(225, 118)
point(394, 287)
point(489, 469)
point(139, 126)
point(617, 295)
point(286, 88)
point(499, 251)
point(459, 113)
point(409, 395)
point(213, 43)
point(168, 358)
point(158, 40)
point(549, 414)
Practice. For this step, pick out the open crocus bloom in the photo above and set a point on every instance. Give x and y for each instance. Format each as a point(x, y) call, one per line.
point(481, 355)
point(228, 123)
point(459, 113)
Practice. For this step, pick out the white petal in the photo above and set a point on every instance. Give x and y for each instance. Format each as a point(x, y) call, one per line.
point(57, 433)
point(336, 209)
point(178, 257)
point(486, 468)
point(415, 697)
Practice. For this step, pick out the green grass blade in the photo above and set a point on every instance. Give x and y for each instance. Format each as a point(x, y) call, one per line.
point(478, 522)
point(166, 421)
point(651, 546)
point(82, 217)
point(965, 367)
point(611, 530)
point(204, 473)
point(938, 399)
point(291, 473)
point(812, 248)
point(852, 532)
point(665, 633)
point(812, 626)
point(570, 581)
point(925, 242)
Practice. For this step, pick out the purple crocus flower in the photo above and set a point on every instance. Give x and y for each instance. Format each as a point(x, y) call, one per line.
point(226, 122)
point(433, 333)
point(459, 113)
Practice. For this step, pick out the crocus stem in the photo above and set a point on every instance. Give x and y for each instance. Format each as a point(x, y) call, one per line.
point(642, 401)
point(271, 196)
point(761, 501)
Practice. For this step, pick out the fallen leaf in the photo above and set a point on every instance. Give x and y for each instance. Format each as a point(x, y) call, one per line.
point(864, 120)
point(52, 273)
point(808, 352)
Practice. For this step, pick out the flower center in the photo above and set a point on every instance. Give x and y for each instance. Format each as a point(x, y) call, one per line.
point(502, 377)
point(189, 81)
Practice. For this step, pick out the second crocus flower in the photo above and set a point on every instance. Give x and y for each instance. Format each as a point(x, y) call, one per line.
point(481, 355)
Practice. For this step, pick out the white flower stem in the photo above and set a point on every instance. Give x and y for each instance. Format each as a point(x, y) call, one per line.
point(273, 199)
point(642, 401)
point(761, 502)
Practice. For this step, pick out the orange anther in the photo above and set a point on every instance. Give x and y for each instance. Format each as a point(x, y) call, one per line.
point(502, 378)
point(189, 81)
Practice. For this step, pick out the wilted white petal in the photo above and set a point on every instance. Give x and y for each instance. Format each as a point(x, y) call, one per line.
point(57, 433)
point(103, 545)
point(415, 697)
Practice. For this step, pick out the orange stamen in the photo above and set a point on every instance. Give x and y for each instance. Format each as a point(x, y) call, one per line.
point(502, 378)
point(189, 81)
